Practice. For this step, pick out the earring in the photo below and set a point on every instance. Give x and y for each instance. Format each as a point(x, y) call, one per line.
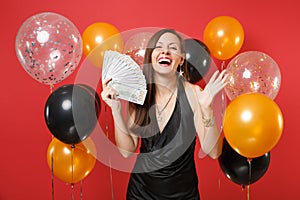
point(180, 72)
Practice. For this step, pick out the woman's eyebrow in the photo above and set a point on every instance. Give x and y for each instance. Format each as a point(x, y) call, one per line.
point(172, 43)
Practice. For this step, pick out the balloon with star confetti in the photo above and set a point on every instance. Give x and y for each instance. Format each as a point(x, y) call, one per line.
point(253, 72)
point(49, 47)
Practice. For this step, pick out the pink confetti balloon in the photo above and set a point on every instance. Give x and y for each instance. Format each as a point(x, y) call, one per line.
point(49, 47)
point(253, 72)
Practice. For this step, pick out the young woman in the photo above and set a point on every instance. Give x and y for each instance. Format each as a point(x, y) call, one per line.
point(174, 114)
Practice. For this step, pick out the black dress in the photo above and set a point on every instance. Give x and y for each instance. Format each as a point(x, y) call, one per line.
point(165, 168)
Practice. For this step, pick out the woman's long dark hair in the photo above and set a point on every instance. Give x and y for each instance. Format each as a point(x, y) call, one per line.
point(141, 117)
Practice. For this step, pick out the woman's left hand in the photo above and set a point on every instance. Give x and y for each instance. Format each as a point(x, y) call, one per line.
point(216, 83)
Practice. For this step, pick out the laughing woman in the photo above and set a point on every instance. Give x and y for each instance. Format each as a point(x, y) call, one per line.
point(175, 113)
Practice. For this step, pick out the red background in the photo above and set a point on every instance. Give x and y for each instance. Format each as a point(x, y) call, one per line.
point(270, 26)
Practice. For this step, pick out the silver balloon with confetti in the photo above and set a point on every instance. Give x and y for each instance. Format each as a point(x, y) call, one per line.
point(49, 47)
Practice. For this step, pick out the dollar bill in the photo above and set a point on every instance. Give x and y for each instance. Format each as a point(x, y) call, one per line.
point(135, 95)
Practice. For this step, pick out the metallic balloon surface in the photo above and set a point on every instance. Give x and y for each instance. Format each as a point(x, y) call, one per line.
point(99, 37)
point(70, 163)
point(224, 36)
point(253, 124)
point(198, 59)
point(241, 170)
point(71, 112)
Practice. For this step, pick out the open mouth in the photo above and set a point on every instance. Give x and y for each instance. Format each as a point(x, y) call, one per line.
point(164, 61)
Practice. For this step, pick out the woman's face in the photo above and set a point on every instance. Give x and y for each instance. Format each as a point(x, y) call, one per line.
point(167, 54)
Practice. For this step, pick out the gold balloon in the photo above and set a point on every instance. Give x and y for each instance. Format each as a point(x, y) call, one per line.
point(71, 163)
point(252, 124)
point(99, 37)
point(224, 36)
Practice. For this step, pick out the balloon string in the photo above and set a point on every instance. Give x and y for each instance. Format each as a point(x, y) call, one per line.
point(72, 168)
point(52, 164)
point(110, 169)
point(72, 186)
point(81, 190)
point(111, 181)
point(219, 179)
point(249, 163)
point(52, 176)
point(223, 99)
point(222, 65)
point(248, 192)
point(106, 122)
point(72, 163)
point(223, 104)
point(51, 88)
point(248, 186)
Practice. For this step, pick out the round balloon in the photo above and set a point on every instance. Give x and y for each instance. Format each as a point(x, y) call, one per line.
point(136, 45)
point(99, 37)
point(252, 124)
point(71, 113)
point(70, 163)
point(253, 71)
point(198, 59)
point(241, 170)
point(224, 36)
point(49, 47)
point(93, 93)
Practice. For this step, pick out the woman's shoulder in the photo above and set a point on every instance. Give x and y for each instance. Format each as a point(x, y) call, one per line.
point(192, 91)
point(191, 86)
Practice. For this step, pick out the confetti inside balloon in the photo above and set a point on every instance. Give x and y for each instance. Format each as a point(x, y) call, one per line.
point(253, 72)
point(49, 47)
point(136, 45)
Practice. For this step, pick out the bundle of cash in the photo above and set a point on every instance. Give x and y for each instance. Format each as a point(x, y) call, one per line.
point(127, 77)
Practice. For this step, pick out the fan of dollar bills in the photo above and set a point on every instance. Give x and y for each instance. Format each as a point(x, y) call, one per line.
point(127, 77)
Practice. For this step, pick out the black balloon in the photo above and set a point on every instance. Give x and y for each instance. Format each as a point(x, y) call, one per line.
point(93, 93)
point(198, 59)
point(237, 168)
point(71, 112)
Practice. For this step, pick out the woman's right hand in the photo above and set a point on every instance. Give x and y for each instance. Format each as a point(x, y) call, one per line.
point(110, 96)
